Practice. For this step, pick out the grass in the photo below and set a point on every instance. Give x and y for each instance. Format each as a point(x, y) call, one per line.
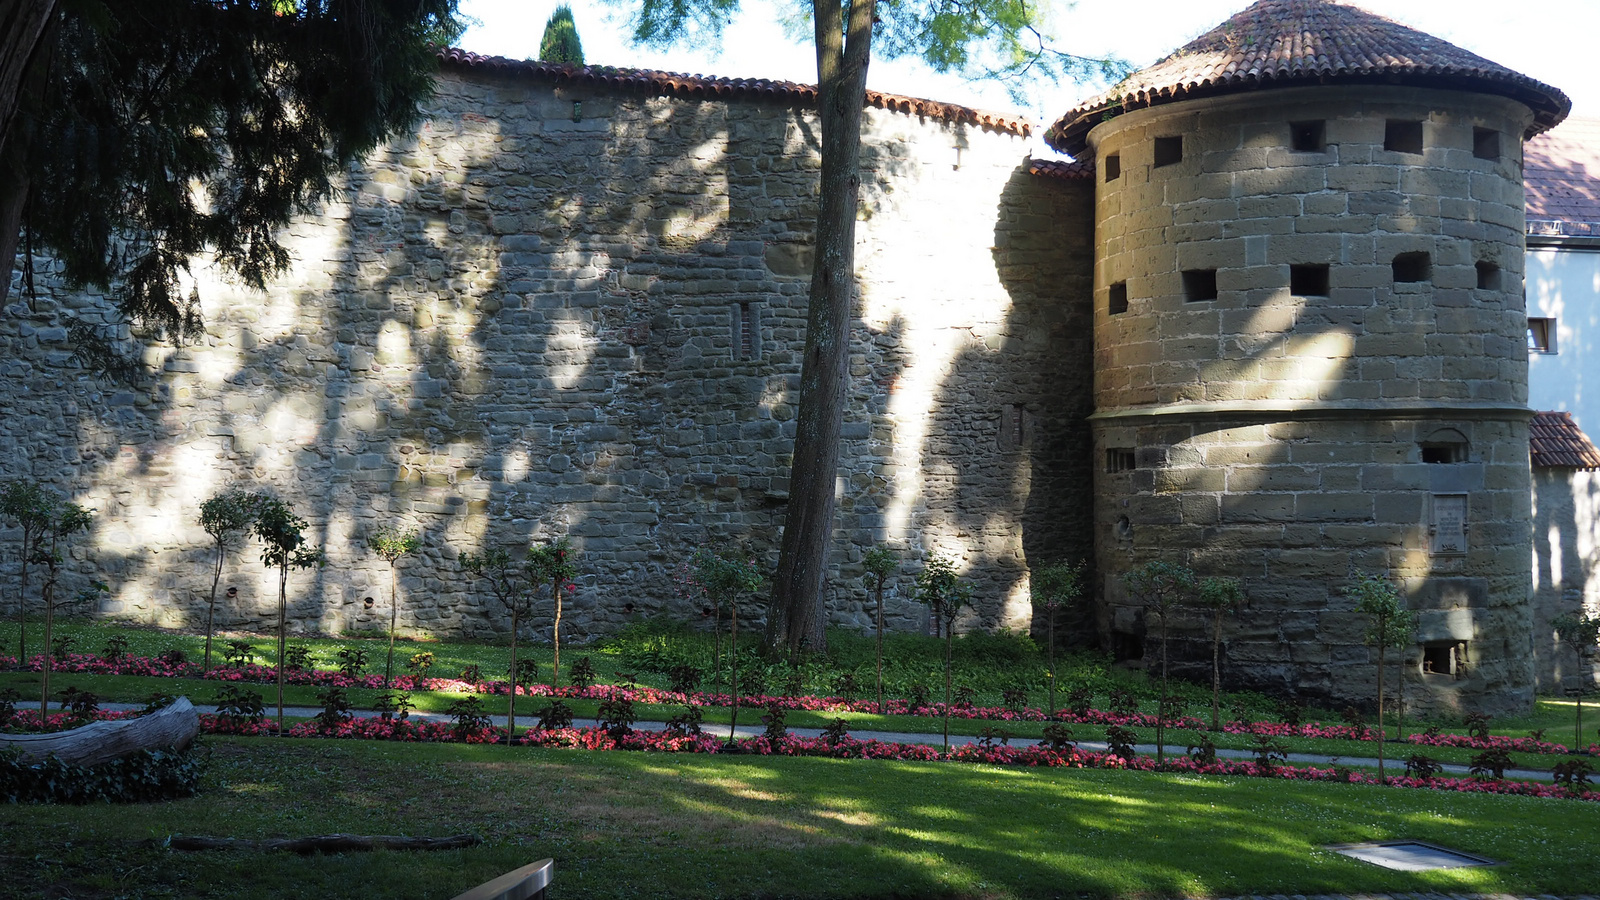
point(636, 825)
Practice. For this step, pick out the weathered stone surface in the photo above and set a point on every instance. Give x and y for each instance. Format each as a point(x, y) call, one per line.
point(509, 325)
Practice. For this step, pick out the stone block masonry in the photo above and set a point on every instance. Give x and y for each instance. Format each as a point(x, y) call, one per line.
point(567, 311)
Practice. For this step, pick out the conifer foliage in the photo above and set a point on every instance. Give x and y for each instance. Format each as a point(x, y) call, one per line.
point(560, 43)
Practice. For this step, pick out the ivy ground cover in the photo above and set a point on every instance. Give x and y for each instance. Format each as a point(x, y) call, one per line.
point(647, 825)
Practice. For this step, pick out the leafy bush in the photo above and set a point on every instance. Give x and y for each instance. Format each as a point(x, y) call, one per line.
point(237, 707)
point(616, 716)
point(420, 664)
point(686, 723)
point(556, 715)
point(527, 674)
point(82, 704)
point(1203, 750)
point(1120, 741)
point(298, 659)
point(582, 674)
point(394, 705)
point(775, 718)
point(1058, 737)
point(352, 660)
point(1492, 764)
point(335, 708)
point(8, 705)
point(141, 777)
point(1477, 725)
point(115, 649)
point(1269, 752)
point(1573, 774)
point(472, 674)
point(1015, 698)
point(60, 647)
point(685, 678)
point(991, 735)
point(836, 731)
point(239, 654)
point(468, 717)
point(172, 656)
point(1421, 766)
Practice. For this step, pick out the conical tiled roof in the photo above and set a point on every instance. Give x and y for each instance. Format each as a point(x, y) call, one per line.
point(1286, 43)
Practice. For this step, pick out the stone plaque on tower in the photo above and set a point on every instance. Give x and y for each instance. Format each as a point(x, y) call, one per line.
point(1449, 524)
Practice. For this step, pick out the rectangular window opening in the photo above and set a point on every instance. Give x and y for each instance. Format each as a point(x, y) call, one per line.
point(1199, 284)
point(1485, 143)
point(747, 339)
point(1120, 459)
point(1488, 276)
point(1113, 166)
point(1402, 136)
point(1443, 657)
point(1126, 646)
point(1309, 280)
point(1542, 335)
point(1443, 453)
point(1413, 267)
point(1169, 150)
point(1308, 137)
point(1117, 300)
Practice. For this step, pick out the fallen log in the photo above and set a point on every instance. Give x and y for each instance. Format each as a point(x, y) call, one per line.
point(326, 843)
point(172, 727)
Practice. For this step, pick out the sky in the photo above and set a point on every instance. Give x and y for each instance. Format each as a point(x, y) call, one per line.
point(1551, 40)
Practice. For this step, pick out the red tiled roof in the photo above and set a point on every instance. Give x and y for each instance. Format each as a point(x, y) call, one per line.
point(1555, 440)
point(1075, 169)
point(1561, 170)
point(703, 87)
point(1285, 43)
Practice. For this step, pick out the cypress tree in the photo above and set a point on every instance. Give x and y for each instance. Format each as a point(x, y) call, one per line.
point(560, 43)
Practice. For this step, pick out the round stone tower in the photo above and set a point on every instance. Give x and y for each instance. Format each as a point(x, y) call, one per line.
point(1310, 347)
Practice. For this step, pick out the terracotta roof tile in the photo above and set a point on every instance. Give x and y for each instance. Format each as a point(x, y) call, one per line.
point(705, 87)
point(1555, 440)
point(1284, 43)
point(1074, 169)
point(1561, 170)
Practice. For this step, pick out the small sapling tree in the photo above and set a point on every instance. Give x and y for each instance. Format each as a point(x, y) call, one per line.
point(1218, 597)
point(1162, 587)
point(1052, 589)
point(66, 520)
point(945, 594)
point(284, 548)
point(508, 582)
point(227, 518)
point(881, 564)
point(553, 563)
point(1580, 632)
point(390, 544)
point(33, 507)
point(1389, 626)
point(726, 578)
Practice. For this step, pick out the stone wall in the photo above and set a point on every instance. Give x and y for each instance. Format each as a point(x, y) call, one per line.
point(561, 311)
point(1566, 570)
point(1310, 365)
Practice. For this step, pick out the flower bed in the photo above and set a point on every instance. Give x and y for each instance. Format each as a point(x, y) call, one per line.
point(260, 674)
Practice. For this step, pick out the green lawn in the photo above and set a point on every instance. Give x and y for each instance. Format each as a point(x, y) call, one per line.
point(635, 825)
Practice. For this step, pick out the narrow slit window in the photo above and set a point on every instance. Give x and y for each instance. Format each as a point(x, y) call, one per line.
point(1309, 280)
point(1199, 284)
point(1488, 276)
point(1402, 136)
point(1308, 137)
point(1113, 166)
point(1542, 335)
point(1169, 150)
point(747, 338)
point(1485, 143)
point(1411, 268)
point(1117, 298)
point(1120, 459)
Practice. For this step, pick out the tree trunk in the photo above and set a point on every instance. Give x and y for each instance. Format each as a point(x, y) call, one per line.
point(1216, 673)
point(511, 702)
point(796, 620)
point(173, 726)
point(1051, 637)
point(1383, 632)
point(555, 633)
point(211, 607)
point(947, 691)
point(879, 595)
point(394, 619)
point(283, 617)
point(22, 592)
point(1161, 710)
point(48, 596)
point(733, 656)
point(327, 843)
point(25, 35)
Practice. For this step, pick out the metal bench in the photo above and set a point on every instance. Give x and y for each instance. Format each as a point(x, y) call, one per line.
point(526, 883)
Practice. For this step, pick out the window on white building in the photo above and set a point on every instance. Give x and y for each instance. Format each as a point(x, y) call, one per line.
point(1541, 335)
